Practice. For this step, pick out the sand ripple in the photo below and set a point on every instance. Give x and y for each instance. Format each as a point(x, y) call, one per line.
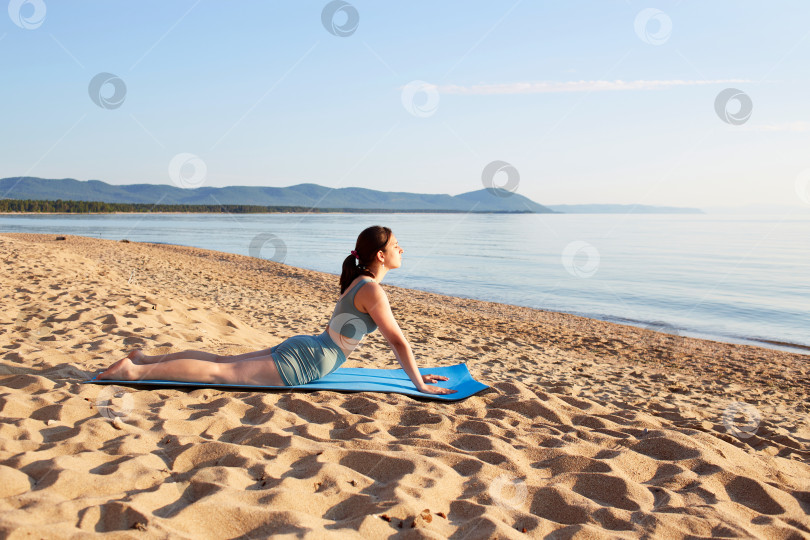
point(563, 445)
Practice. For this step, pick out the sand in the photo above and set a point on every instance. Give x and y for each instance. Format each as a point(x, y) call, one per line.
point(589, 429)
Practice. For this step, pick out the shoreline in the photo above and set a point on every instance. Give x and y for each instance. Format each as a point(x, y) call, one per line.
point(785, 346)
point(311, 211)
point(599, 427)
point(652, 325)
point(673, 347)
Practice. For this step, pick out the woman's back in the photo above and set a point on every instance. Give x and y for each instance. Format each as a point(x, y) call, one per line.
point(347, 320)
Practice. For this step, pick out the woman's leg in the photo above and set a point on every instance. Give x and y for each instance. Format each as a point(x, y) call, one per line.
point(155, 359)
point(259, 370)
point(139, 358)
point(246, 356)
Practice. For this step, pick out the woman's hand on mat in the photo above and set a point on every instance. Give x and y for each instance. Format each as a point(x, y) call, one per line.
point(436, 390)
point(433, 378)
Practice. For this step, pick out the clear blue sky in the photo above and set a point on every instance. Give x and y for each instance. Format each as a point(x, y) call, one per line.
point(587, 101)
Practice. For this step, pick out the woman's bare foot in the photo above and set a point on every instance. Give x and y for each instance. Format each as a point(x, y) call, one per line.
point(123, 370)
point(137, 356)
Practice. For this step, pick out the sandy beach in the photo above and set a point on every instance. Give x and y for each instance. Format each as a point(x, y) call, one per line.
point(589, 430)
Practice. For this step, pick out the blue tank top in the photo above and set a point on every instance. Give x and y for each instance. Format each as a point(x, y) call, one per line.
point(347, 320)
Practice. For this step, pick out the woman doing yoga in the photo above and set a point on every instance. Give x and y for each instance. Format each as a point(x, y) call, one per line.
point(362, 308)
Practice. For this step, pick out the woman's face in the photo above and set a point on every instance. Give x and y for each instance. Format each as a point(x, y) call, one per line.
point(393, 253)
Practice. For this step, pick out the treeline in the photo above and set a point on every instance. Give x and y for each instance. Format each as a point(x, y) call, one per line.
point(86, 207)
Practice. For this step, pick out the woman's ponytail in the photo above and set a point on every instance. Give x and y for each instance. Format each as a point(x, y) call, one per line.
point(369, 242)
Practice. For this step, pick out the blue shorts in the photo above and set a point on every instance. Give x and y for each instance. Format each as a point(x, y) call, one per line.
point(301, 359)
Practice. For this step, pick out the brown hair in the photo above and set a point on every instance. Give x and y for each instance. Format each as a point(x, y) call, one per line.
point(369, 242)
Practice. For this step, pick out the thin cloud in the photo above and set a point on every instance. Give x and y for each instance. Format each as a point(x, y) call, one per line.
point(547, 87)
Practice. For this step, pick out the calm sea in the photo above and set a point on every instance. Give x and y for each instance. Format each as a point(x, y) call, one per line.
point(741, 280)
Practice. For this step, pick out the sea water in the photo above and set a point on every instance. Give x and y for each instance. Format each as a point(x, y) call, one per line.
point(729, 278)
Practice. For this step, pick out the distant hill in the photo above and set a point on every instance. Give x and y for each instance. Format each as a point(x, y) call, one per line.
point(302, 195)
point(306, 195)
point(621, 209)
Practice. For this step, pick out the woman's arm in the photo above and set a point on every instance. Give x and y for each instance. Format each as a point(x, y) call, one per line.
point(376, 303)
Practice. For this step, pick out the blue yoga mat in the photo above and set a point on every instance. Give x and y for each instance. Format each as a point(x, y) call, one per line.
point(353, 380)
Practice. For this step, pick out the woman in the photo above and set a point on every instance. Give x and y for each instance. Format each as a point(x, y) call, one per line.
point(362, 308)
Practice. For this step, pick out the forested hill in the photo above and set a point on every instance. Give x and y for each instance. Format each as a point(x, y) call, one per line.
point(305, 196)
